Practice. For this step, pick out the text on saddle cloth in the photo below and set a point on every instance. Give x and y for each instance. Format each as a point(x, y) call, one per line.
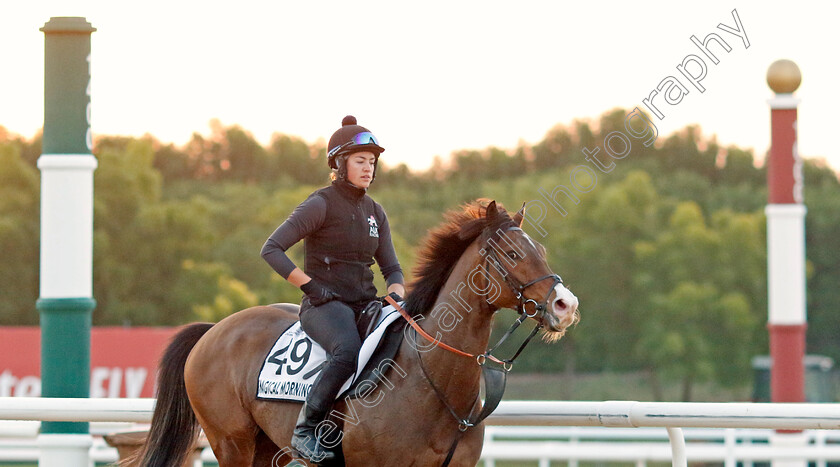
point(295, 360)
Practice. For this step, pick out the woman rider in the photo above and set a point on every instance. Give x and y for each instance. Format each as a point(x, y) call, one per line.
point(343, 230)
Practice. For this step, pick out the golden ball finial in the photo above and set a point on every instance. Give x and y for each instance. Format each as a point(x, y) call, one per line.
point(783, 76)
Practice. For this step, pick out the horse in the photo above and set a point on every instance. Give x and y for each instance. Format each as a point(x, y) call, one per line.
point(476, 262)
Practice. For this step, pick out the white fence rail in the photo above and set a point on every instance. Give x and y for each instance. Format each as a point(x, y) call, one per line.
point(729, 446)
point(76, 410)
point(669, 414)
point(672, 416)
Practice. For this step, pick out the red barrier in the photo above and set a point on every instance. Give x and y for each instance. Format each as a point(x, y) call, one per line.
point(123, 360)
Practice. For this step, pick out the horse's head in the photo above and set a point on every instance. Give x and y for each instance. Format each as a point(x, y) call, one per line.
point(503, 266)
point(518, 265)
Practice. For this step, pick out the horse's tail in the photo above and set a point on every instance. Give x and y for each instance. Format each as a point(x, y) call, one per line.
point(174, 426)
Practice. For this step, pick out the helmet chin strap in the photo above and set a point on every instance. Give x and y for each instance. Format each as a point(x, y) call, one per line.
point(341, 171)
point(375, 164)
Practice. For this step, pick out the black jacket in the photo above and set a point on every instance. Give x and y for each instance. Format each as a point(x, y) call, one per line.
point(344, 231)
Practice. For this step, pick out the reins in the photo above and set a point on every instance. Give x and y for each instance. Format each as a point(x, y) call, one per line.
point(437, 342)
point(494, 378)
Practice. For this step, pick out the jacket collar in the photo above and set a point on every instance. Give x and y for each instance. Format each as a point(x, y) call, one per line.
point(353, 193)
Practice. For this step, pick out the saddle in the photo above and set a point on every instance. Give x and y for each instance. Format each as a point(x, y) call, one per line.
point(367, 318)
point(294, 361)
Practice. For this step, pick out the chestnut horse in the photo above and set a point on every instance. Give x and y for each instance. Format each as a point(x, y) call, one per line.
point(478, 261)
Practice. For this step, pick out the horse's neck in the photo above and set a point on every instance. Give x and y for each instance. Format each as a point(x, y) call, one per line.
point(455, 375)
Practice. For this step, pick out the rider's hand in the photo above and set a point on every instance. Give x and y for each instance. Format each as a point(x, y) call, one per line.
point(318, 294)
point(395, 296)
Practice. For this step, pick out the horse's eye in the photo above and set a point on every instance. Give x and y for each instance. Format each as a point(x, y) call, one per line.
point(512, 255)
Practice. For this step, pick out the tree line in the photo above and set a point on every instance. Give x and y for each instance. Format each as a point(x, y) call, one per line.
point(667, 253)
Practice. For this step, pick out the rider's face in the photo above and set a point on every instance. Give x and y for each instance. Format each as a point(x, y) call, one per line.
point(360, 168)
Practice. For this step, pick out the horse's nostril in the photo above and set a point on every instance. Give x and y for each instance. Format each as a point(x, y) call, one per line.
point(560, 304)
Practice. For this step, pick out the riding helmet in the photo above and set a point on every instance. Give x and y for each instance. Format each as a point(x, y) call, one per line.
point(350, 138)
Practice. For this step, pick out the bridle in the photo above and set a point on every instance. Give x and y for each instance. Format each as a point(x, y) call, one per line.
point(494, 378)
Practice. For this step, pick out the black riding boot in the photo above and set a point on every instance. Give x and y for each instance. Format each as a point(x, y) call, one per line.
point(319, 401)
point(333, 326)
point(304, 439)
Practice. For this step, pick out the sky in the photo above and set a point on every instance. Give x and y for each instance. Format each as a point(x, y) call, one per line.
point(427, 78)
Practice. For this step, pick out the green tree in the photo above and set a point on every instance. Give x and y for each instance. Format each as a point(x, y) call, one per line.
point(686, 150)
point(223, 295)
point(242, 157)
point(19, 237)
point(173, 163)
point(696, 333)
point(140, 242)
point(822, 230)
point(555, 148)
point(739, 167)
point(292, 159)
point(599, 253)
point(697, 285)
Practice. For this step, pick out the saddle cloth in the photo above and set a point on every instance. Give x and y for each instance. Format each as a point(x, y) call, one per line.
point(295, 360)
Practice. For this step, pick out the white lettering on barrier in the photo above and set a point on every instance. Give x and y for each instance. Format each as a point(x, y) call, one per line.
point(27, 386)
point(107, 382)
point(135, 379)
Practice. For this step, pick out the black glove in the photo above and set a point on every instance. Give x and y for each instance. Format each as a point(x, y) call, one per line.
point(318, 294)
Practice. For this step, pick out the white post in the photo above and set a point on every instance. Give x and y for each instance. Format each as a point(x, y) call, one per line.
point(64, 450)
point(729, 441)
point(675, 435)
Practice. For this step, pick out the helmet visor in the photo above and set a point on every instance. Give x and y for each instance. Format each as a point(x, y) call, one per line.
point(364, 138)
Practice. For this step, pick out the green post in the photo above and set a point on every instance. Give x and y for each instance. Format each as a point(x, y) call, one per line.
point(65, 354)
point(67, 164)
point(67, 86)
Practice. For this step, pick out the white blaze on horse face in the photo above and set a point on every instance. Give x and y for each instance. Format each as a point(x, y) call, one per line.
point(564, 306)
point(528, 237)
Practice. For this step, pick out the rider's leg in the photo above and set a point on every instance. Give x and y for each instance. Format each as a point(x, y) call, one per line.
point(333, 327)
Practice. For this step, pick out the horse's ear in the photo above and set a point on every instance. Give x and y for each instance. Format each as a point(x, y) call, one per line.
point(492, 210)
point(520, 215)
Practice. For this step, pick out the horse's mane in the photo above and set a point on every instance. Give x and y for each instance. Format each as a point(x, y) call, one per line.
point(444, 245)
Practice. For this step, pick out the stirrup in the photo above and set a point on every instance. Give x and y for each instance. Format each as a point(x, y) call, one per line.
point(317, 454)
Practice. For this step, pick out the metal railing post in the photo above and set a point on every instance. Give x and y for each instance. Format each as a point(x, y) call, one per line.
point(677, 447)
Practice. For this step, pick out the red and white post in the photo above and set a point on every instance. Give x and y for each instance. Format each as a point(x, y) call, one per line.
point(785, 248)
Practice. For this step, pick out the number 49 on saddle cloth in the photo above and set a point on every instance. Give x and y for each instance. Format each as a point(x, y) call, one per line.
point(295, 360)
